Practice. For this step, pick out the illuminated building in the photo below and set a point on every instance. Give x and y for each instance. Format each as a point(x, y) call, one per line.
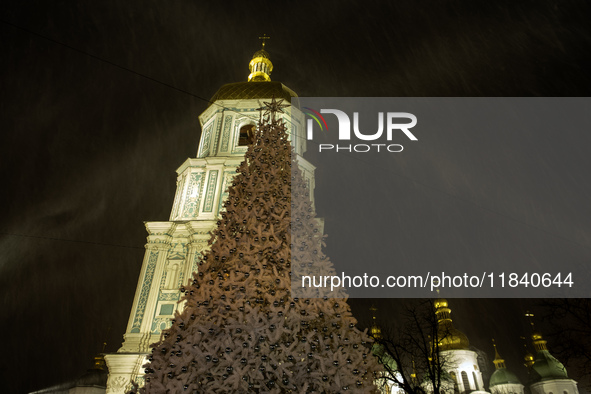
point(460, 361)
point(463, 366)
point(174, 247)
point(547, 374)
point(503, 381)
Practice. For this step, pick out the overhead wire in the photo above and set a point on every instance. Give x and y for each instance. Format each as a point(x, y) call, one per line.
point(351, 156)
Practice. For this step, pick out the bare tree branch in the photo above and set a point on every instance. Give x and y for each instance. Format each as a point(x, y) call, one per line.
point(572, 338)
point(410, 352)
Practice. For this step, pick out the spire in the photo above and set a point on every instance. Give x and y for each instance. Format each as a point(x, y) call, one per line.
point(502, 376)
point(530, 317)
point(538, 341)
point(260, 65)
point(263, 38)
point(375, 330)
point(498, 361)
point(442, 311)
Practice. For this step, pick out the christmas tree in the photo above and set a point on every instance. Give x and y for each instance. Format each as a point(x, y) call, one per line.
point(240, 329)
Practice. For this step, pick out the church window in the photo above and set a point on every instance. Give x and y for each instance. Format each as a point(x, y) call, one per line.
point(246, 136)
point(466, 382)
point(475, 380)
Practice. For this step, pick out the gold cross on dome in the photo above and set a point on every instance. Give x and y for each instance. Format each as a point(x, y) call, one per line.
point(373, 310)
point(530, 315)
point(264, 37)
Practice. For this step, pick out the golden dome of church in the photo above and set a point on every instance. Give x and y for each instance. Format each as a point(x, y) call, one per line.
point(449, 337)
point(254, 90)
point(259, 84)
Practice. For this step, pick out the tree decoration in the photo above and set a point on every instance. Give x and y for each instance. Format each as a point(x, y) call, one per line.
point(240, 329)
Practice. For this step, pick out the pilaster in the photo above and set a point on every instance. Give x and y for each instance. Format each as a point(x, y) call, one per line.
point(123, 369)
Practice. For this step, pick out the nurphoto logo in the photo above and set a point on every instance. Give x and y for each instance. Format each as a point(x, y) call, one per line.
point(394, 126)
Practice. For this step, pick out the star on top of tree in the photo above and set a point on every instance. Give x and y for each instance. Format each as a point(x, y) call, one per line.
point(273, 107)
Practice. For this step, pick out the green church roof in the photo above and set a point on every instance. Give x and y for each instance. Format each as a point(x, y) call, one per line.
point(547, 367)
point(503, 376)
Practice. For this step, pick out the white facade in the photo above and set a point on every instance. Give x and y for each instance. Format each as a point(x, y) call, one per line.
point(462, 365)
point(555, 386)
point(174, 248)
point(508, 388)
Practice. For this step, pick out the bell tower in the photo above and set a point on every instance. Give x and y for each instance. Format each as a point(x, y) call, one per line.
point(174, 247)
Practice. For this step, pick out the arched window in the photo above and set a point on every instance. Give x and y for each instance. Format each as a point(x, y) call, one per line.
point(466, 382)
point(246, 136)
point(475, 380)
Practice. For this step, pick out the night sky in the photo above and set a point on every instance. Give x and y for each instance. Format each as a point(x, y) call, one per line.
point(99, 105)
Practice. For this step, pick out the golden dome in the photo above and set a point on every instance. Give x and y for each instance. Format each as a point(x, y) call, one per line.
point(375, 332)
point(260, 66)
point(259, 85)
point(254, 90)
point(261, 53)
point(440, 303)
point(449, 337)
point(528, 358)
